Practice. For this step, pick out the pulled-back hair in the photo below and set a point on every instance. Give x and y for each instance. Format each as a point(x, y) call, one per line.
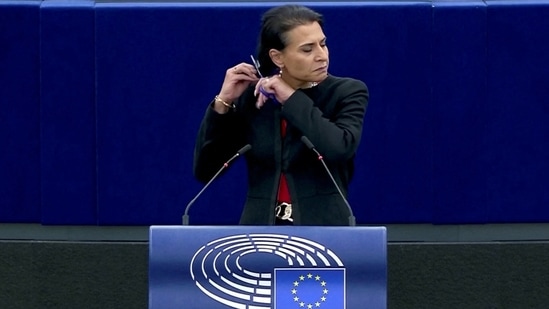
point(275, 25)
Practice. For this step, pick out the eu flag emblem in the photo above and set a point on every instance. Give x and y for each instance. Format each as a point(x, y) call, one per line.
point(309, 288)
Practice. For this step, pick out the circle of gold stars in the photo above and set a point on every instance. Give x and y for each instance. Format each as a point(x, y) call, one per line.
point(322, 298)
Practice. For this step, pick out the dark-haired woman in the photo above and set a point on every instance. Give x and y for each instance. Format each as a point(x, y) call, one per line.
point(291, 96)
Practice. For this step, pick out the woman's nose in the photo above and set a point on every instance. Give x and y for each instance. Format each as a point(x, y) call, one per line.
point(322, 54)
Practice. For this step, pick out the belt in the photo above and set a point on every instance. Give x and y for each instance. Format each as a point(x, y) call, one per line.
point(283, 211)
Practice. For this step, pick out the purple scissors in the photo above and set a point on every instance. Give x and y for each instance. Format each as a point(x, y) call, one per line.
point(269, 95)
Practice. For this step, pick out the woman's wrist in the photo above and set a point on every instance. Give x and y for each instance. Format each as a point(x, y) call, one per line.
point(229, 105)
point(220, 106)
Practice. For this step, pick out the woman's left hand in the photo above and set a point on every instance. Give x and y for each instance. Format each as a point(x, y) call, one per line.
point(272, 87)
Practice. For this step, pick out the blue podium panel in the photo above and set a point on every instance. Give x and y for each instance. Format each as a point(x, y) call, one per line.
point(19, 111)
point(459, 112)
point(518, 127)
point(255, 267)
point(68, 112)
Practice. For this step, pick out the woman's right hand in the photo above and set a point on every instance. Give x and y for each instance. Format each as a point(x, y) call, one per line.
point(237, 79)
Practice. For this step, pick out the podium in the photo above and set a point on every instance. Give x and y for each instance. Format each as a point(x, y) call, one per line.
point(260, 267)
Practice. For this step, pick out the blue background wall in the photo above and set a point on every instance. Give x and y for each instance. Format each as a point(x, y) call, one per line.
point(100, 104)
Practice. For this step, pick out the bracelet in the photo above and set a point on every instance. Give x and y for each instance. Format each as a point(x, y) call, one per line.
point(218, 99)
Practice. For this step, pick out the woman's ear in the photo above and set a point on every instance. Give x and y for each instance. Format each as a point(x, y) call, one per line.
point(276, 57)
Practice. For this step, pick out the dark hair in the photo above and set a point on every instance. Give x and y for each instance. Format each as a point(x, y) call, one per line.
point(275, 24)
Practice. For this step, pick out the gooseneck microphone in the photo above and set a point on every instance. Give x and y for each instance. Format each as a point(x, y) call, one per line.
point(225, 165)
point(307, 142)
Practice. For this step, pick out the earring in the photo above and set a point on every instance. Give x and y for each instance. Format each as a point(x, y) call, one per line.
point(280, 71)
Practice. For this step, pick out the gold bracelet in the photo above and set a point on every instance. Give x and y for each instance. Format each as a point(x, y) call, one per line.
point(218, 99)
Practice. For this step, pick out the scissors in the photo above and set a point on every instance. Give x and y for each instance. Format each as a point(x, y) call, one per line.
point(269, 95)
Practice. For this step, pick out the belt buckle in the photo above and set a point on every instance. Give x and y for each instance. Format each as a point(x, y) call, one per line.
point(287, 209)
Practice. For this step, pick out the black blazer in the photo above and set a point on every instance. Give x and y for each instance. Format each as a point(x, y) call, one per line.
point(330, 114)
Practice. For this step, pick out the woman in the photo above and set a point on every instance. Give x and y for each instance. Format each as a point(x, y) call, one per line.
point(297, 97)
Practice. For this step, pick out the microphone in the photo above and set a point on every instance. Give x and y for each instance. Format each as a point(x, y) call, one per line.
point(307, 142)
point(225, 165)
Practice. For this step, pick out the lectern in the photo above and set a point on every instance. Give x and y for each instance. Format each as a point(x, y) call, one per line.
point(264, 267)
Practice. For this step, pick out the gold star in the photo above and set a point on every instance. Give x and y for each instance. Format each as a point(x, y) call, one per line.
point(317, 278)
point(323, 283)
point(294, 291)
point(325, 291)
point(323, 298)
point(301, 278)
point(296, 283)
point(309, 276)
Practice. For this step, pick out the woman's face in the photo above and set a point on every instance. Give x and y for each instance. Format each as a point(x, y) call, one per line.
point(305, 57)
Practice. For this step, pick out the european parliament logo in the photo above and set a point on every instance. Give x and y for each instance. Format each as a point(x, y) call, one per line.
point(265, 271)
